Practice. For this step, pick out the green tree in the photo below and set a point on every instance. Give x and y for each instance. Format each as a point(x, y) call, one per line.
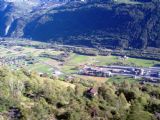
point(137, 113)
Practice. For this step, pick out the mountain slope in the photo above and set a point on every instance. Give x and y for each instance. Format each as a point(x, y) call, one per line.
point(25, 95)
point(105, 24)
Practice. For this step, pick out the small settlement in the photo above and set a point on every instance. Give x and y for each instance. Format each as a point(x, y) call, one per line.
point(151, 74)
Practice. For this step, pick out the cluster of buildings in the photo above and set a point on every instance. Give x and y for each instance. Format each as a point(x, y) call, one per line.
point(95, 71)
point(151, 74)
point(15, 60)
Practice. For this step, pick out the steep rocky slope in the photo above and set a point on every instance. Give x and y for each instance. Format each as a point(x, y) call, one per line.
point(107, 24)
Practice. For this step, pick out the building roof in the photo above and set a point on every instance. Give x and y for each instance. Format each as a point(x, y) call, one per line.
point(92, 91)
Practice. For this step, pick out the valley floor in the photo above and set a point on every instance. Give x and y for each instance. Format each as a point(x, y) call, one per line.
point(58, 62)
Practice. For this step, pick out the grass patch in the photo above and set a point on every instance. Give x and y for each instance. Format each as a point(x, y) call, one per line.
point(120, 79)
point(78, 59)
point(107, 60)
point(143, 62)
point(126, 2)
point(68, 69)
point(40, 68)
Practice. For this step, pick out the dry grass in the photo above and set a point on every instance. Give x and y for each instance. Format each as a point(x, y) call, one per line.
point(97, 79)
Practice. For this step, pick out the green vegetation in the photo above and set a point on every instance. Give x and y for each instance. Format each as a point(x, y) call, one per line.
point(75, 60)
point(121, 79)
point(78, 59)
point(71, 63)
point(24, 95)
point(41, 68)
point(107, 60)
point(126, 1)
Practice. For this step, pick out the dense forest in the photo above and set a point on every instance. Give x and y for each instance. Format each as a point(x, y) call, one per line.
point(102, 24)
point(25, 95)
point(110, 24)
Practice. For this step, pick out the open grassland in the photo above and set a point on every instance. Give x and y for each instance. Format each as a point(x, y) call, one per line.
point(37, 52)
point(142, 62)
point(72, 64)
point(92, 78)
point(120, 79)
point(40, 68)
point(107, 60)
point(126, 2)
point(76, 59)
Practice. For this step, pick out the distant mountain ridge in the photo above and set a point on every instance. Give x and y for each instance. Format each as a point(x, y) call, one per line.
point(94, 23)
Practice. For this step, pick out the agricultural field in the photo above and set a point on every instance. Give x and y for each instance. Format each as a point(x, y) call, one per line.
point(92, 78)
point(38, 64)
point(71, 65)
point(76, 60)
point(126, 2)
point(121, 79)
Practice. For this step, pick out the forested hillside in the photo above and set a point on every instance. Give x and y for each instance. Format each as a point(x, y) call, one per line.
point(104, 24)
point(112, 24)
point(109, 24)
point(25, 95)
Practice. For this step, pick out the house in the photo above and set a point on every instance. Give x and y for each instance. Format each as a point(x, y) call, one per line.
point(158, 74)
point(57, 73)
point(142, 71)
point(125, 57)
point(139, 71)
point(107, 74)
point(43, 75)
point(157, 115)
point(91, 92)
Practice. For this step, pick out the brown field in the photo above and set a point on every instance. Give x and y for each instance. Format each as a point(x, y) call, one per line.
point(98, 79)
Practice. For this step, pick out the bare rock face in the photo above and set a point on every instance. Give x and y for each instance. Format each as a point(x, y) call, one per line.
point(110, 24)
